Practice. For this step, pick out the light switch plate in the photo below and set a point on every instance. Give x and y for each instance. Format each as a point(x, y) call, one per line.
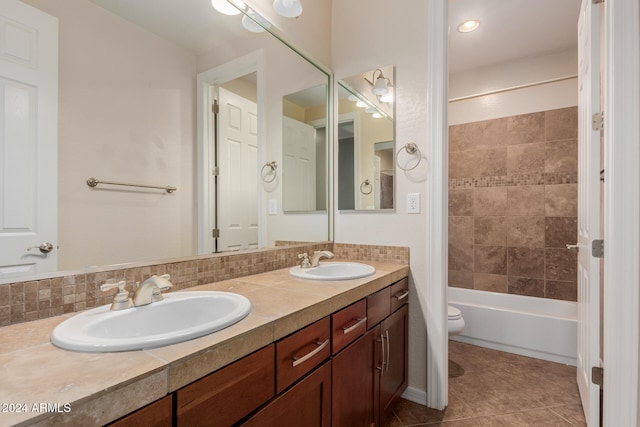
point(413, 203)
point(273, 207)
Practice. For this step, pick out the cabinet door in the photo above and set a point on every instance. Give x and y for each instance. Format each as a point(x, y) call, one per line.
point(393, 376)
point(308, 404)
point(230, 394)
point(156, 414)
point(352, 384)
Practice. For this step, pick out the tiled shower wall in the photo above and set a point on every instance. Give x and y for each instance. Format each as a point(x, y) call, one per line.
point(513, 204)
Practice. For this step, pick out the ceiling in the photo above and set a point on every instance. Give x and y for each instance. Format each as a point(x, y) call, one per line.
point(509, 29)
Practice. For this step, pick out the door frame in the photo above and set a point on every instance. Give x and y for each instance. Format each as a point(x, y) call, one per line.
point(249, 63)
point(621, 212)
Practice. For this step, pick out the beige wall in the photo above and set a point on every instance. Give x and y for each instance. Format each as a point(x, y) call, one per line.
point(366, 35)
point(126, 113)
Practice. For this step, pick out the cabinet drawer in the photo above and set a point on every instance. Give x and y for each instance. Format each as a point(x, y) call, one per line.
point(297, 354)
point(348, 324)
point(229, 394)
point(399, 294)
point(378, 307)
point(156, 414)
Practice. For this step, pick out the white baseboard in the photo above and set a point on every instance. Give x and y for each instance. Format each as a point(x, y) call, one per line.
point(415, 395)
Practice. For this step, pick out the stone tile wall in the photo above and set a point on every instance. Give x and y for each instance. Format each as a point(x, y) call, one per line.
point(66, 293)
point(513, 204)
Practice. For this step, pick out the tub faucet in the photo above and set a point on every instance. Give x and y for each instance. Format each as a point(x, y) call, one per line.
point(315, 258)
point(151, 290)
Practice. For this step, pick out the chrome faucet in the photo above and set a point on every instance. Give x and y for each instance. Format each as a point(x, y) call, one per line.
point(315, 258)
point(151, 290)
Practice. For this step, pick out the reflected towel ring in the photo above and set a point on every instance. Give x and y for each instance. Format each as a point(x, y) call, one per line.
point(273, 168)
point(366, 183)
point(413, 150)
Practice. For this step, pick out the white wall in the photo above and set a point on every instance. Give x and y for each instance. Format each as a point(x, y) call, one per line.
point(524, 71)
point(126, 113)
point(368, 34)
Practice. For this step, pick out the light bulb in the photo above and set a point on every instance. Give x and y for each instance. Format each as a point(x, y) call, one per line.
point(468, 26)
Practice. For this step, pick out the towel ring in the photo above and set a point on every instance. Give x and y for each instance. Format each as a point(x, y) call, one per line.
point(273, 168)
point(413, 150)
point(366, 184)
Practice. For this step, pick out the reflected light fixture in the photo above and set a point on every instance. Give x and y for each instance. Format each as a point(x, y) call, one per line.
point(288, 8)
point(257, 26)
point(226, 8)
point(468, 26)
point(361, 104)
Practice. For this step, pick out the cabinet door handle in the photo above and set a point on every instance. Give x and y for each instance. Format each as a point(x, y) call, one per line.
point(388, 350)
point(402, 295)
point(382, 361)
point(299, 360)
point(347, 330)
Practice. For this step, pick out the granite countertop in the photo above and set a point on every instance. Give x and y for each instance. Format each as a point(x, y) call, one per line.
point(46, 386)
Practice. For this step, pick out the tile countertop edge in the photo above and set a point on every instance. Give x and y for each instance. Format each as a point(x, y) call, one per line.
point(180, 371)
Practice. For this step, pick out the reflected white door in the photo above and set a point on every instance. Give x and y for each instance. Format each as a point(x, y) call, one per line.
point(588, 209)
point(28, 139)
point(238, 179)
point(299, 170)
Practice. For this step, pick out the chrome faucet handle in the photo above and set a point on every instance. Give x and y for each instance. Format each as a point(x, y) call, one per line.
point(163, 285)
point(121, 301)
point(305, 260)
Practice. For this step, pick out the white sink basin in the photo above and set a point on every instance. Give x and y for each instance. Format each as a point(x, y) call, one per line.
point(333, 271)
point(179, 317)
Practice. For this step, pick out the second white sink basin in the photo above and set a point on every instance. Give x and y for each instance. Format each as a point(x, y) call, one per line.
point(333, 271)
point(179, 317)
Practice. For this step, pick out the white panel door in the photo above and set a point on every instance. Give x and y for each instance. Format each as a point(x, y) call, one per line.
point(28, 139)
point(299, 170)
point(238, 179)
point(588, 209)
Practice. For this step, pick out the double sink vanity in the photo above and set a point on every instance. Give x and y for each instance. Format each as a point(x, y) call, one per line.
point(310, 345)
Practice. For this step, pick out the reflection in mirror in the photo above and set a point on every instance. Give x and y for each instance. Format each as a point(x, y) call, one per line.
point(304, 150)
point(366, 164)
point(126, 73)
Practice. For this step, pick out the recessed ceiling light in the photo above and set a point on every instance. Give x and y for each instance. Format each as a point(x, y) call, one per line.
point(468, 26)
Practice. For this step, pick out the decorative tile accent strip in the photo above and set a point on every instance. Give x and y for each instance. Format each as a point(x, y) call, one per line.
point(388, 254)
point(513, 180)
point(38, 299)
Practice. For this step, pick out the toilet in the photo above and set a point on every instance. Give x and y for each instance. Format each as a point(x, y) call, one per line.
point(455, 321)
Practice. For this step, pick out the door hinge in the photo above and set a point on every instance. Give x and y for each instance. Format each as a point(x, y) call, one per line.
point(597, 249)
point(215, 233)
point(215, 108)
point(597, 375)
point(215, 171)
point(597, 121)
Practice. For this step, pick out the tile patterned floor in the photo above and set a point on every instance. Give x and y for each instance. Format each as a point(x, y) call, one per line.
point(493, 388)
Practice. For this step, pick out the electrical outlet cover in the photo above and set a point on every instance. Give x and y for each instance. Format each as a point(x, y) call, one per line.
point(413, 203)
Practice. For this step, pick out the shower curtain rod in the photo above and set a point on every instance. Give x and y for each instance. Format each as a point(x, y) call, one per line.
point(508, 89)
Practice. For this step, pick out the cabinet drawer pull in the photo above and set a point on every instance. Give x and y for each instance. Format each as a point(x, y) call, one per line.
point(346, 330)
point(401, 296)
point(388, 350)
point(299, 360)
point(382, 359)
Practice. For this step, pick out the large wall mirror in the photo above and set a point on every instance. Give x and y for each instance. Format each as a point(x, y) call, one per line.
point(366, 165)
point(128, 105)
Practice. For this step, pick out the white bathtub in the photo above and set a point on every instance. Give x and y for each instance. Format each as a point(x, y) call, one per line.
point(535, 327)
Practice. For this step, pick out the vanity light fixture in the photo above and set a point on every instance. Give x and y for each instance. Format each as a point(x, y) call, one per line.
point(360, 103)
point(387, 98)
point(226, 8)
point(380, 83)
point(468, 26)
point(288, 8)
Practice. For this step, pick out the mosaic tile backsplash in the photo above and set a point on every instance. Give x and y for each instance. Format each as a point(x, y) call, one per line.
point(38, 299)
point(513, 204)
